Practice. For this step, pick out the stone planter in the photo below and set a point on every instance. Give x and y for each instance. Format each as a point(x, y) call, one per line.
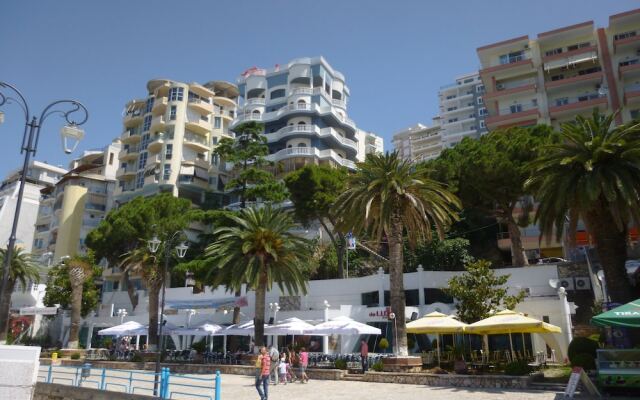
point(402, 364)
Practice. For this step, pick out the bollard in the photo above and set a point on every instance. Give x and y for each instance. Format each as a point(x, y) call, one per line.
point(103, 379)
point(131, 382)
point(167, 375)
point(218, 386)
point(49, 373)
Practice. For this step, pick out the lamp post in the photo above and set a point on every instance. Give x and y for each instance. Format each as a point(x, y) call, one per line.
point(181, 250)
point(30, 137)
point(122, 313)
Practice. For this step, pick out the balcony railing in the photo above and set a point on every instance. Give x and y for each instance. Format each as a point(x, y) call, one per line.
point(192, 137)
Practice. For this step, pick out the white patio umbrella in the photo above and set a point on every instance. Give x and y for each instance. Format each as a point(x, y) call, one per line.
point(244, 329)
point(343, 326)
point(290, 326)
point(205, 329)
point(129, 328)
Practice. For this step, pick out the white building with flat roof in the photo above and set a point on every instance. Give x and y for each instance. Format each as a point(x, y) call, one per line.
point(39, 176)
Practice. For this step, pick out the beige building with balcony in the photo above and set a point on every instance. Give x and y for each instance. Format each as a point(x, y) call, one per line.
point(563, 73)
point(168, 140)
point(555, 77)
point(76, 204)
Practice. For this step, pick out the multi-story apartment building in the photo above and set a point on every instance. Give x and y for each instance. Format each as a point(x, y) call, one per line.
point(462, 110)
point(368, 143)
point(303, 106)
point(76, 204)
point(563, 73)
point(419, 142)
point(555, 77)
point(39, 176)
point(169, 136)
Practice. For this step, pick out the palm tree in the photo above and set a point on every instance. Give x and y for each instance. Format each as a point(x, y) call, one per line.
point(593, 174)
point(389, 197)
point(258, 248)
point(80, 269)
point(142, 262)
point(23, 269)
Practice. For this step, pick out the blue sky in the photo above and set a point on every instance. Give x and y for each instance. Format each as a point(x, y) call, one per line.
point(394, 54)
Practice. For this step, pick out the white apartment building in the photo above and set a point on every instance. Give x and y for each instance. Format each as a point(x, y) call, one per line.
point(368, 143)
point(168, 140)
point(39, 176)
point(419, 143)
point(303, 106)
point(462, 110)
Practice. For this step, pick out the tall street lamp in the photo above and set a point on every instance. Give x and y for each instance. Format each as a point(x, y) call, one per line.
point(71, 135)
point(181, 250)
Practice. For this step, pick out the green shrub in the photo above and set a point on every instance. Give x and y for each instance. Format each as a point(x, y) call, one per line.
point(383, 344)
point(200, 346)
point(137, 357)
point(517, 368)
point(378, 367)
point(582, 345)
point(340, 364)
point(75, 356)
point(586, 361)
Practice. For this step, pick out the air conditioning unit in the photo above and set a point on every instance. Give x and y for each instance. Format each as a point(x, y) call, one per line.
point(566, 283)
point(583, 283)
point(527, 292)
point(499, 86)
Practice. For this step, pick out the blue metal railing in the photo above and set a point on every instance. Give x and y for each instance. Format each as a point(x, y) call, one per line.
point(172, 386)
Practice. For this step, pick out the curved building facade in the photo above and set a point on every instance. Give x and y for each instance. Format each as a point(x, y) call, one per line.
point(303, 106)
point(169, 136)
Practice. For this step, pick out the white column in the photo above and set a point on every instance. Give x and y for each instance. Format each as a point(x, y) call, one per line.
point(89, 336)
point(381, 287)
point(566, 314)
point(325, 339)
point(420, 286)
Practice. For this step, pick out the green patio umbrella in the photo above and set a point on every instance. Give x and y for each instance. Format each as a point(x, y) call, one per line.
point(627, 315)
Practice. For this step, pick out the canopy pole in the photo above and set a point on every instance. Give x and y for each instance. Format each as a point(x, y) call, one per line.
point(438, 346)
point(224, 344)
point(511, 343)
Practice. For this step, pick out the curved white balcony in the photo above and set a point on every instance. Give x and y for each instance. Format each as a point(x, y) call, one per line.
point(295, 108)
point(312, 130)
point(310, 152)
point(302, 90)
point(339, 103)
point(258, 102)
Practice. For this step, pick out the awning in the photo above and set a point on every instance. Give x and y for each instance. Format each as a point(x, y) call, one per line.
point(207, 303)
point(202, 174)
point(627, 315)
point(566, 61)
point(187, 170)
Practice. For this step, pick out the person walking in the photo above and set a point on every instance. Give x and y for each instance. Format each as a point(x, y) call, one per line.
point(364, 355)
point(282, 368)
point(274, 354)
point(293, 362)
point(262, 380)
point(304, 361)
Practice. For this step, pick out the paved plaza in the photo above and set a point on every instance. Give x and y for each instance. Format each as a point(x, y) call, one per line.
point(236, 387)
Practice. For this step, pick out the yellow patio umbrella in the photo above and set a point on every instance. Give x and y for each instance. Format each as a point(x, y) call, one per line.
point(508, 322)
point(437, 323)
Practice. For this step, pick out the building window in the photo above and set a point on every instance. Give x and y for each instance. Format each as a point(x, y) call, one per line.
point(562, 101)
point(480, 89)
point(145, 141)
point(166, 171)
point(142, 161)
point(176, 94)
point(172, 113)
point(139, 179)
point(147, 123)
point(149, 105)
point(482, 124)
point(480, 100)
point(482, 111)
point(110, 158)
point(515, 108)
point(168, 152)
point(217, 122)
point(512, 57)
